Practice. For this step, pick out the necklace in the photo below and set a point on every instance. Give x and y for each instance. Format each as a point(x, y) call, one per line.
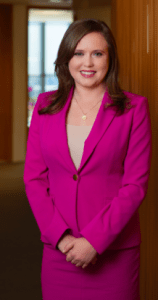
point(84, 117)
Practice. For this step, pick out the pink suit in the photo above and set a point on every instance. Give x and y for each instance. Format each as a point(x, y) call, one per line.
point(100, 200)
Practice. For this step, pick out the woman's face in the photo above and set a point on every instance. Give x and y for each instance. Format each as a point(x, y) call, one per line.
point(90, 62)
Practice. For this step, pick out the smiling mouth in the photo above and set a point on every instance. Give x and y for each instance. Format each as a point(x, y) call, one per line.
point(88, 72)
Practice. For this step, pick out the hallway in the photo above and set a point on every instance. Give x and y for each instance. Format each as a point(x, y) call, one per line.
point(21, 248)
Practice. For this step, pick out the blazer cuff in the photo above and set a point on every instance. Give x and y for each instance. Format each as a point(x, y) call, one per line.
point(54, 232)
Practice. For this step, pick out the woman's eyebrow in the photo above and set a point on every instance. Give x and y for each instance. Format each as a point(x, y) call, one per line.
point(97, 50)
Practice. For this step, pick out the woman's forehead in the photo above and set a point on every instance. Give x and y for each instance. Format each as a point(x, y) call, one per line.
point(92, 40)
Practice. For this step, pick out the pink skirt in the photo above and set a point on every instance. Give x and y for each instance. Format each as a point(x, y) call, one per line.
point(115, 276)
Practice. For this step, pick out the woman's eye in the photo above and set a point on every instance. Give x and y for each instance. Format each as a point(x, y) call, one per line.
point(98, 54)
point(78, 53)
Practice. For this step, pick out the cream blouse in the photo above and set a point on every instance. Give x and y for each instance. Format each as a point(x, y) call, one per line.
point(76, 136)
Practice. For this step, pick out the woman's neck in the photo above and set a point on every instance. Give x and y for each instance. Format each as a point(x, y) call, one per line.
point(87, 95)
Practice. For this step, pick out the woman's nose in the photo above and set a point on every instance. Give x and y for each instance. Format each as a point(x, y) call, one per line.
point(88, 60)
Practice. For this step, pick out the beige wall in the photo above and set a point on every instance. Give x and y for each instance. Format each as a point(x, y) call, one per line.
point(19, 82)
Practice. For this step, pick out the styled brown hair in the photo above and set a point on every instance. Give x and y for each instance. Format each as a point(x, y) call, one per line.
point(76, 31)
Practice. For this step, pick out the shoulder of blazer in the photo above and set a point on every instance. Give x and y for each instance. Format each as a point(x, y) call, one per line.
point(133, 96)
point(134, 99)
point(44, 99)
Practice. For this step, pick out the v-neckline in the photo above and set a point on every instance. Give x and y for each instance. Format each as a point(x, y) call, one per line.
point(92, 126)
point(102, 122)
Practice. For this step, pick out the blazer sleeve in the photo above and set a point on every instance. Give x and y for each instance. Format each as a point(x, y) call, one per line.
point(49, 219)
point(104, 228)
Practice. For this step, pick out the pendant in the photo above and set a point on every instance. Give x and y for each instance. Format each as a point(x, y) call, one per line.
point(84, 117)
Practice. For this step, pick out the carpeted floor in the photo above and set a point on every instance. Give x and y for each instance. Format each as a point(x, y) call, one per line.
point(20, 247)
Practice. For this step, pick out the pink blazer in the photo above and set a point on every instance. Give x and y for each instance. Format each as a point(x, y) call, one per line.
point(100, 200)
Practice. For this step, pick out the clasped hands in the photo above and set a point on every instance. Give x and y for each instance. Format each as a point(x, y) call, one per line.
point(78, 250)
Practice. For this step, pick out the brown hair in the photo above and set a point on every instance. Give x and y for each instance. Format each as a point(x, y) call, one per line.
point(76, 31)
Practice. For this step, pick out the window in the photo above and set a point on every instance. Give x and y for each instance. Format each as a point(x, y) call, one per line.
point(45, 31)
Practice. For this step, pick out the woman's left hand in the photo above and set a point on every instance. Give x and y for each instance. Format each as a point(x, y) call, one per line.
point(80, 252)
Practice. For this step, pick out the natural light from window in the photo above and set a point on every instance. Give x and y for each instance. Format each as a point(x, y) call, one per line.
point(45, 31)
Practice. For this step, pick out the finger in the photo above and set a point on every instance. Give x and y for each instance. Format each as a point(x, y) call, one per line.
point(69, 258)
point(84, 266)
point(79, 264)
point(68, 247)
point(74, 261)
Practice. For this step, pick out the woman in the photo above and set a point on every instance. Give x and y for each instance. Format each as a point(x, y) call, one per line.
point(87, 170)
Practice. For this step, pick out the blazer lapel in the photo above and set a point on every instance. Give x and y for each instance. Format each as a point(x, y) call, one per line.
point(103, 120)
point(61, 134)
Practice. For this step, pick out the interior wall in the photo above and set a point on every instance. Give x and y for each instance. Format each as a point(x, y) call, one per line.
point(19, 113)
point(5, 82)
point(85, 9)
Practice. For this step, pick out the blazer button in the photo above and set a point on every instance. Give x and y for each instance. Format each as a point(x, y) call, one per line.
point(75, 177)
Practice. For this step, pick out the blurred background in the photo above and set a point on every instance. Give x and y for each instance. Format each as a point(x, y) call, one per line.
point(30, 33)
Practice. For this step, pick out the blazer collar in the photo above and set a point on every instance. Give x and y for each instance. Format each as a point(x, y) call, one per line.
point(103, 120)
